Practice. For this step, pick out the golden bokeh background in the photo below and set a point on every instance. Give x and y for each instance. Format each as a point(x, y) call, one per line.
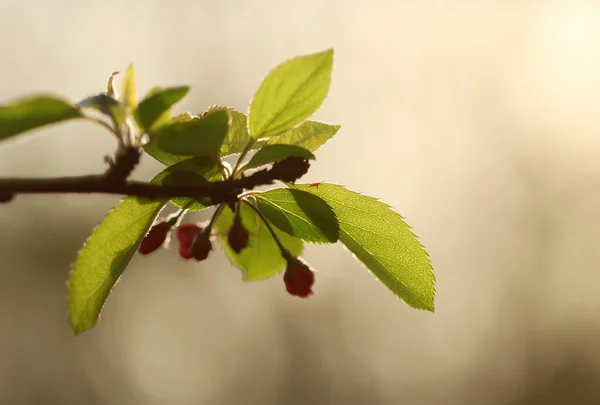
point(476, 120)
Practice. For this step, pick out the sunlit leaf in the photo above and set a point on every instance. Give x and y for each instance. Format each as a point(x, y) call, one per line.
point(237, 136)
point(300, 214)
point(152, 148)
point(291, 93)
point(184, 117)
point(107, 252)
point(129, 98)
point(310, 135)
point(33, 112)
point(383, 242)
point(155, 109)
point(197, 137)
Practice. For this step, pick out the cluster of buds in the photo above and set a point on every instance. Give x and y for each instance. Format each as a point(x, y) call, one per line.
point(194, 242)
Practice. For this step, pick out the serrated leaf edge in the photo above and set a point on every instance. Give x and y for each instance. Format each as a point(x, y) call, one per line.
point(71, 267)
point(426, 307)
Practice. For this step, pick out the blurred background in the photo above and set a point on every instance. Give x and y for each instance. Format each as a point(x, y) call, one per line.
point(476, 120)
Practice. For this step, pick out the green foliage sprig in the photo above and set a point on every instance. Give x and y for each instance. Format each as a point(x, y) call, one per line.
point(262, 233)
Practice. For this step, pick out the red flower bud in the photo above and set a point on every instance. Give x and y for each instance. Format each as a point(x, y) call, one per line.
point(185, 250)
point(201, 247)
point(155, 237)
point(193, 242)
point(238, 235)
point(298, 278)
point(186, 233)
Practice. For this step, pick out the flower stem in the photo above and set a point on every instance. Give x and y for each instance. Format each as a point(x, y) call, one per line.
point(284, 252)
point(175, 218)
point(242, 156)
point(214, 217)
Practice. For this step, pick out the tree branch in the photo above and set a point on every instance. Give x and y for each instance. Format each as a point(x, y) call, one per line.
point(219, 191)
point(224, 191)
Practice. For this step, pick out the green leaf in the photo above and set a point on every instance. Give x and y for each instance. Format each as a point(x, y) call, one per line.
point(167, 159)
point(184, 117)
point(199, 171)
point(310, 135)
point(290, 94)
point(105, 256)
point(33, 112)
point(381, 239)
point(107, 252)
point(274, 153)
point(152, 148)
point(100, 102)
point(300, 214)
point(129, 98)
point(155, 109)
point(197, 137)
point(261, 258)
point(106, 104)
point(237, 136)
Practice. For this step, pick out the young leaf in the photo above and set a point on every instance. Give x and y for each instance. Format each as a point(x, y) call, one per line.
point(381, 239)
point(273, 153)
point(156, 107)
point(167, 159)
point(261, 258)
point(106, 104)
point(152, 149)
point(32, 112)
point(310, 135)
point(110, 86)
point(237, 136)
point(197, 137)
point(129, 99)
point(146, 118)
point(184, 117)
point(100, 102)
point(300, 214)
point(107, 252)
point(290, 94)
